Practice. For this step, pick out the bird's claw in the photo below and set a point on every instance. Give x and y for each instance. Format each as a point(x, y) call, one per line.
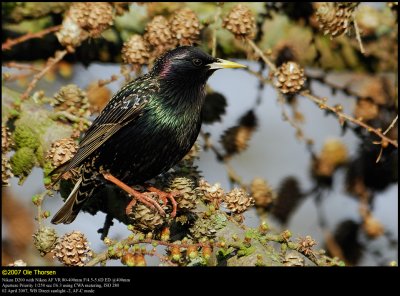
point(165, 196)
point(148, 201)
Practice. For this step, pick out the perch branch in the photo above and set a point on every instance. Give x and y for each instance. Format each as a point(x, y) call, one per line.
point(133, 241)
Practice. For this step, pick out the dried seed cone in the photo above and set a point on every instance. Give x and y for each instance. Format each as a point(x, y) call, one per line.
point(289, 78)
point(240, 22)
point(262, 193)
point(185, 26)
point(210, 193)
point(72, 99)
point(372, 227)
point(306, 244)
point(238, 200)
point(72, 249)
point(293, 259)
point(19, 262)
point(203, 228)
point(128, 259)
point(94, 17)
point(187, 198)
point(61, 151)
point(334, 18)
point(6, 173)
point(236, 139)
point(135, 51)
point(71, 35)
point(121, 7)
point(159, 35)
point(333, 154)
point(5, 140)
point(193, 152)
point(146, 219)
point(366, 109)
point(44, 240)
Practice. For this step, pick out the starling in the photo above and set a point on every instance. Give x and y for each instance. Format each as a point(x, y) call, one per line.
point(146, 128)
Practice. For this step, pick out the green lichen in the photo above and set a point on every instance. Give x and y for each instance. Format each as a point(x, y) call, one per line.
point(219, 220)
point(198, 261)
point(252, 233)
point(245, 250)
point(25, 137)
point(23, 161)
point(224, 253)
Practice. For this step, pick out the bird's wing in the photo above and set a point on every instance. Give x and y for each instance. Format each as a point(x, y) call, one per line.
point(123, 108)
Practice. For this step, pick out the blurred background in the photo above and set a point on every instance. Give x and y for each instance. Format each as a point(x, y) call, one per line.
point(332, 189)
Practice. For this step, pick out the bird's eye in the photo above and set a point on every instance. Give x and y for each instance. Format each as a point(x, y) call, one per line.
point(197, 62)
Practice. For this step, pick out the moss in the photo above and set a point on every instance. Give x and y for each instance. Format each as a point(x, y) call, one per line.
point(23, 161)
point(25, 137)
point(40, 155)
point(47, 168)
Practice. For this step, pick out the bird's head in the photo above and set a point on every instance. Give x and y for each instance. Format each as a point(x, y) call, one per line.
point(189, 64)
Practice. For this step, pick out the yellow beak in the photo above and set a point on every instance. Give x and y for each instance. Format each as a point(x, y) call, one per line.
point(224, 64)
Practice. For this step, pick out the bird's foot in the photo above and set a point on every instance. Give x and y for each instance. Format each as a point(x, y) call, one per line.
point(148, 201)
point(165, 196)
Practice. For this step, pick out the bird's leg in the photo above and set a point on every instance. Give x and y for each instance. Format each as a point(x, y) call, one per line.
point(136, 194)
point(165, 196)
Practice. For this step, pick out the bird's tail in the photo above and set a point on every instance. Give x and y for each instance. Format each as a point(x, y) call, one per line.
point(72, 206)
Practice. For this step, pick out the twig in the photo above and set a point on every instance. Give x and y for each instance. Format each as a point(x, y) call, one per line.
point(262, 55)
point(50, 63)
point(258, 75)
point(7, 77)
point(323, 79)
point(391, 125)
point(383, 145)
point(214, 30)
point(103, 82)
point(162, 258)
point(321, 103)
point(209, 145)
point(22, 66)
point(299, 132)
point(358, 37)
point(11, 42)
point(233, 176)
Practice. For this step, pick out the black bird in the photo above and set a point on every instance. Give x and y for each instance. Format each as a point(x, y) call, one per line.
point(145, 129)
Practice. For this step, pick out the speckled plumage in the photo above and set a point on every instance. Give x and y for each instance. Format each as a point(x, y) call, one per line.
point(146, 128)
